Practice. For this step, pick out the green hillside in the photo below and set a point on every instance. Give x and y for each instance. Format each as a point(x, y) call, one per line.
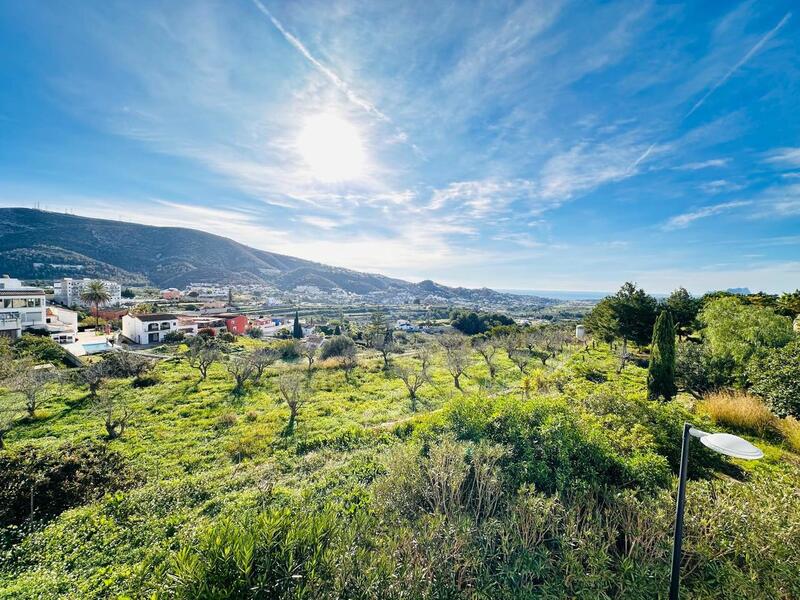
point(553, 483)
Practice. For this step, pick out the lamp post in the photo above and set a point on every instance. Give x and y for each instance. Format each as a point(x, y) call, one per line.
point(724, 443)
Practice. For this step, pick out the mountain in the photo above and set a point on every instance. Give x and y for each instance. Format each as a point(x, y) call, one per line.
point(37, 244)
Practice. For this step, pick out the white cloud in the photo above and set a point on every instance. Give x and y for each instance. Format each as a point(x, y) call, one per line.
point(789, 157)
point(488, 196)
point(320, 222)
point(684, 220)
point(719, 186)
point(706, 164)
point(587, 166)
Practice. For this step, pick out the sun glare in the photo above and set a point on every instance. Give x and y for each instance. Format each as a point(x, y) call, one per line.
point(332, 148)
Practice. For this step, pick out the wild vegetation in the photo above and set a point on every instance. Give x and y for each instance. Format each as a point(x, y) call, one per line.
point(516, 462)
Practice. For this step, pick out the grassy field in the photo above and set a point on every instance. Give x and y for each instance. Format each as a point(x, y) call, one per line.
point(206, 458)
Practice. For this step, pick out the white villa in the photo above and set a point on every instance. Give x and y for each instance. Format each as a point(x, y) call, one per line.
point(148, 329)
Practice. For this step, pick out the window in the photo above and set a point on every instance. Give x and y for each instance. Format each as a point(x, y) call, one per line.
point(165, 326)
point(152, 327)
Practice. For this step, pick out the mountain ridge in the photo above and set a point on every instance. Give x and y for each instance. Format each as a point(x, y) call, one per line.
point(36, 244)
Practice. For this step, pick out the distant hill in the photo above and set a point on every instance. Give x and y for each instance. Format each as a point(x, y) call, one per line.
point(36, 244)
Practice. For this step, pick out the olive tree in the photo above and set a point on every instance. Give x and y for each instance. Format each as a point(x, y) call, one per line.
point(309, 348)
point(456, 355)
point(93, 376)
point(202, 353)
point(293, 391)
point(415, 376)
point(487, 349)
point(113, 407)
point(242, 369)
point(262, 358)
point(31, 383)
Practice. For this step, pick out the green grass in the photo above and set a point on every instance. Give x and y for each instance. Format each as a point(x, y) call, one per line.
point(206, 454)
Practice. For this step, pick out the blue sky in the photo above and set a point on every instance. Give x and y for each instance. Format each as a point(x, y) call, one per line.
point(544, 145)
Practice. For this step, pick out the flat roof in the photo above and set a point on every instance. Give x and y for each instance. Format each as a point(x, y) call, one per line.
point(156, 317)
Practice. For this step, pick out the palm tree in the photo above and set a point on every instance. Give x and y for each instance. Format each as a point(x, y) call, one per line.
point(95, 293)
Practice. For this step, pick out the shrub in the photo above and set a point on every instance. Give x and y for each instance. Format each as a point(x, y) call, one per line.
point(776, 378)
point(226, 421)
point(41, 349)
point(740, 411)
point(337, 346)
point(226, 336)
point(286, 349)
point(58, 480)
point(699, 372)
point(174, 337)
point(277, 554)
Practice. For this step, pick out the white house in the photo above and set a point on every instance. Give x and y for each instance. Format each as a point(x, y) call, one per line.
point(62, 324)
point(148, 329)
point(67, 291)
point(21, 307)
point(404, 325)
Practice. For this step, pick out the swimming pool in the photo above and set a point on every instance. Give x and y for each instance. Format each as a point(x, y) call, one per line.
point(96, 347)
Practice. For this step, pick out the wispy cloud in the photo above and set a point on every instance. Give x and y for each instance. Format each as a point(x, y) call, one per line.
point(719, 186)
point(483, 197)
point(705, 164)
point(742, 61)
point(684, 220)
point(789, 157)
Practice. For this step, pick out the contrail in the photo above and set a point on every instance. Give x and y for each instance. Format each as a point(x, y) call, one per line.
point(337, 81)
point(741, 62)
point(333, 77)
point(750, 53)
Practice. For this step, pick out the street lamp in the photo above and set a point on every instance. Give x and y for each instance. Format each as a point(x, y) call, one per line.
point(724, 443)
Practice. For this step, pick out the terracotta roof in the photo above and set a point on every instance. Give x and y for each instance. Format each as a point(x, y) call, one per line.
point(156, 317)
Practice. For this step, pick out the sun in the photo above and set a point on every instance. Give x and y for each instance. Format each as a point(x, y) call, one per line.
point(332, 148)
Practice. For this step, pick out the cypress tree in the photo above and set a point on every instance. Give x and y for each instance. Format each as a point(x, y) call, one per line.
point(297, 330)
point(661, 372)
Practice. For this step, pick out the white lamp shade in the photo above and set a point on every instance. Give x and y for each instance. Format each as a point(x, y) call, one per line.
point(732, 445)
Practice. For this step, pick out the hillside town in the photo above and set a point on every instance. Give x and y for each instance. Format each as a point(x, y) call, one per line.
point(115, 317)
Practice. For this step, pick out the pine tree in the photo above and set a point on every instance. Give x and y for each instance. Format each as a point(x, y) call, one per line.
point(661, 373)
point(297, 330)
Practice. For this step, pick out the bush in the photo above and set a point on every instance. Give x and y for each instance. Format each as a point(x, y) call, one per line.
point(776, 378)
point(226, 336)
point(174, 337)
point(286, 349)
point(337, 346)
point(41, 349)
point(277, 554)
point(58, 480)
point(740, 411)
point(699, 372)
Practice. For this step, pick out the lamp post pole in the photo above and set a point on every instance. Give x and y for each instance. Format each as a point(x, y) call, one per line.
point(724, 443)
point(677, 542)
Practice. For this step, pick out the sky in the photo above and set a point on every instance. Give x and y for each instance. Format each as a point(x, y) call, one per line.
point(517, 145)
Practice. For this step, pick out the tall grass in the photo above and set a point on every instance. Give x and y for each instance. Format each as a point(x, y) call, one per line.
point(741, 411)
point(790, 429)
